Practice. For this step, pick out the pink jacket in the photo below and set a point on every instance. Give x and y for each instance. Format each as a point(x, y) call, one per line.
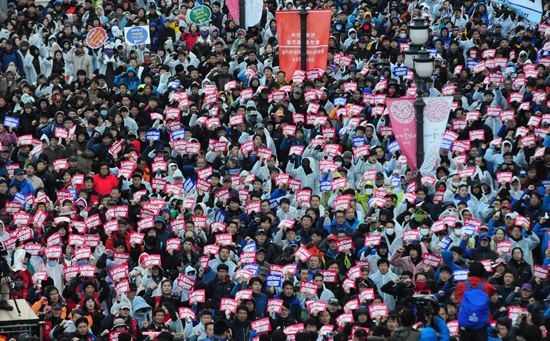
point(406, 264)
point(9, 140)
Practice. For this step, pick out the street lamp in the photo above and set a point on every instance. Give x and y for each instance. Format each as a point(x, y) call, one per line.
point(303, 34)
point(418, 59)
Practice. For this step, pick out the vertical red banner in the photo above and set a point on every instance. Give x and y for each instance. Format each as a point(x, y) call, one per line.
point(403, 120)
point(288, 32)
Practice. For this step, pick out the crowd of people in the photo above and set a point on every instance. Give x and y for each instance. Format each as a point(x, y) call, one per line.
point(191, 189)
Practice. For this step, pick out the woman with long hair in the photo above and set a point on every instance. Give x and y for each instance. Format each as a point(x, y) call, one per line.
point(190, 36)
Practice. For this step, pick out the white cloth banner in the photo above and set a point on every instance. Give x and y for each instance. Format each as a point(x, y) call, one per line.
point(528, 9)
point(253, 12)
point(436, 115)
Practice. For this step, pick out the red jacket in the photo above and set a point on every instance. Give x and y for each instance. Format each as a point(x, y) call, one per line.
point(488, 288)
point(103, 185)
point(115, 236)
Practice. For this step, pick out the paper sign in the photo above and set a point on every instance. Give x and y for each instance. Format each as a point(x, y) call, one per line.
point(275, 305)
point(432, 260)
point(378, 310)
point(261, 326)
point(504, 246)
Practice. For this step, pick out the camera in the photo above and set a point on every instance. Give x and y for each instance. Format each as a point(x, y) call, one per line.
point(426, 305)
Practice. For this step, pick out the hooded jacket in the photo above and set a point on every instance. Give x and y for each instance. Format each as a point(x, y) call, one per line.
point(406, 263)
point(162, 234)
point(131, 81)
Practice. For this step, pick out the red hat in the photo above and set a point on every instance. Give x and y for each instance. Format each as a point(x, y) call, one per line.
point(332, 237)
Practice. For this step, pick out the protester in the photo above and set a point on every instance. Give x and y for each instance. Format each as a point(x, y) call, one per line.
point(194, 186)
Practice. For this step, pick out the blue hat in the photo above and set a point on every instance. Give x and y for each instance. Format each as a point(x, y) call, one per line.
point(484, 236)
point(447, 203)
point(160, 149)
point(57, 2)
point(522, 173)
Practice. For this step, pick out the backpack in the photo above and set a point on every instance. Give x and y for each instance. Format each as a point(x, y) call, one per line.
point(474, 310)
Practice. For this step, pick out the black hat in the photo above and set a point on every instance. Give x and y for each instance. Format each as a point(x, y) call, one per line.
point(57, 305)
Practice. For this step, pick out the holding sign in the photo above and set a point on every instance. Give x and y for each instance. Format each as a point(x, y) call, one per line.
point(137, 35)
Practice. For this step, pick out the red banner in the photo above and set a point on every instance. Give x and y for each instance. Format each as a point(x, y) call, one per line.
point(403, 120)
point(288, 32)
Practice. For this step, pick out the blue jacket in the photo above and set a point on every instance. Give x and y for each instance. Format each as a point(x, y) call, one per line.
point(447, 258)
point(287, 143)
point(542, 232)
point(429, 334)
point(26, 186)
point(132, 82)
point(7, 57)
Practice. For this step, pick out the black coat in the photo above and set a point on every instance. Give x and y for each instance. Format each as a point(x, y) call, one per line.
point(216, 290)
point(241, 330)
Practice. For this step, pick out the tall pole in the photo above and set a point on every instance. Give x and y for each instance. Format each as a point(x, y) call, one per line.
point(303, 35)
point(242, 14)
point(419, 106)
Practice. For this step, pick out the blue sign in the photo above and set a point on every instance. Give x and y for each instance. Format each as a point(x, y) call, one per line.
point(19, 197)
point(340, 101)
point(446, 144)
point(396, 181)
point(359, 141)
point(460, 275)
point(178, 134)
point(393, 147)
point(470, 230)
point(433, 52)
point(445, 243)
point(72, 191)
point(220, 216)
point(343, 131)
point(137, 35)
point(253, 267)
point(250, 247)
point(273, 203)
point(471, 63)
point(174, 84)
point(400, 71)
point(326, 185)
point(11, 122)
point(152, 135)
point(273, 281)
point(188, 185)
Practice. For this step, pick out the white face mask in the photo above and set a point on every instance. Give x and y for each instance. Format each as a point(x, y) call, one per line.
point(458, 232)
point(368, 191)
point(424, 232)
point(338, 163)
point(455, 184)
point(390, 232)
point(403, 35)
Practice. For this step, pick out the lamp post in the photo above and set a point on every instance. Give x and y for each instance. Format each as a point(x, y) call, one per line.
point(242, 14)
point(418, 59)
point(303, 35)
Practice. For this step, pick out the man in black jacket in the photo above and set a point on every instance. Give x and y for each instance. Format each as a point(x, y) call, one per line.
point(220, 287)
point(241, 325)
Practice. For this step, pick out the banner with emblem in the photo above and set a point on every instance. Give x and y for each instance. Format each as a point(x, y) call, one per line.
point(436, 115)
point(403, 120)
